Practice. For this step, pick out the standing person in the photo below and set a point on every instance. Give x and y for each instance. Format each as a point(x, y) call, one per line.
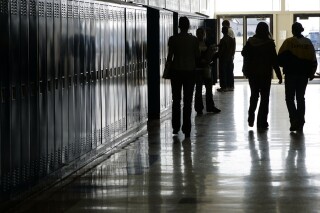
point(204, 76)
point(183, 54)
point(260, 57)
point(225, 55)
point(229, 75)
point(298, 59)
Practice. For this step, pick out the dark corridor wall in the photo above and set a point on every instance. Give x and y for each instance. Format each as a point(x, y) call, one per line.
point(74, 76)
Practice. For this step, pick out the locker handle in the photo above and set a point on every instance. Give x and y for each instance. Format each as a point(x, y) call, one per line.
point(32, 89)
point(69, 81)
point(87, 78)
point(75, 79)
point(40, 87)
point(56, 83)
point(13, 93)
point(49, 86)
point(97, 74)
point(102, 74)
point(82, 78)
point(3, 92)
point(123, 70)
point(63, 82)
point(23, 90)
point(107, 73)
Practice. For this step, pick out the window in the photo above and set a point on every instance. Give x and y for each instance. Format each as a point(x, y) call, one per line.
point(222, 6)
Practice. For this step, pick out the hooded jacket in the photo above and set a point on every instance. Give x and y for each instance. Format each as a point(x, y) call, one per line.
point(297, 56)
point(260, 57)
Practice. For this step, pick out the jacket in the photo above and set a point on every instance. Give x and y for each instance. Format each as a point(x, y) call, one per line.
point(297, 57)
point(260, 58)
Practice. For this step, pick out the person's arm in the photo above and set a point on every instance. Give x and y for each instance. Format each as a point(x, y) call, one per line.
point(276, 64)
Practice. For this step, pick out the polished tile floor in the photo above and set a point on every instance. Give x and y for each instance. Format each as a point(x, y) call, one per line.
point(225, 166)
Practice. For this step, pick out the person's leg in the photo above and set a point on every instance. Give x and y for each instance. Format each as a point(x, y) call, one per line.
point(176, 86)
point(210, 106)
point(262, 119)
point(222, 75)
point(301, 108)
point(229, 75)
point(290, 91)
point(198, 103)
point(254, 97)
point(188, 87)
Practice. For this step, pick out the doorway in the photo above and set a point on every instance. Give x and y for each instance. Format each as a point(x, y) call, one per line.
point(244, 26)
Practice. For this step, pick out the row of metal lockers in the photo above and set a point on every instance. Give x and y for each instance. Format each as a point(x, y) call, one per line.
point(74, 76)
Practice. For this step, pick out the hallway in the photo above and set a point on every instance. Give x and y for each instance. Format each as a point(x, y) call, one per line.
point(225, 166)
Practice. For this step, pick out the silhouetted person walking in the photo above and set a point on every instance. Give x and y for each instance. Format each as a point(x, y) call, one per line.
point(260, 57)
point(298, 59)
point(204, 76)
point(183, 52)
point(225, 55)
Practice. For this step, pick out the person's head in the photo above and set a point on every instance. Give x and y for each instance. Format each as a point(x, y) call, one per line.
point(225, 23)
point(224, 30)
point(184, 23)
point(201, 34)
point(297, 29)
point(262, 30)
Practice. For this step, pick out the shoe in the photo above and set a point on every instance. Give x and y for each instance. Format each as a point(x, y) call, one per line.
point(263, 126)
point(199, 113)
point(175, 132)
point(251, 120)
point(214, 110)
point(221, 90)
point(294, 126)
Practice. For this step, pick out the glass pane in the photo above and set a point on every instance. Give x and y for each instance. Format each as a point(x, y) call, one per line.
point(296, 5)
point(311, 27)
point(246, 5)
point(252, 25)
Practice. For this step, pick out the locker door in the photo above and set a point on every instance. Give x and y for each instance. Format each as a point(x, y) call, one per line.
point(57, 90)
point(155, 85)
point(25, 132)
point(167, 34)
point(121, 70)
point(33, 90)
point(82, 61)
point(5, 94)
point(92, 75)
point(15, 125)
point(162, 27)
point(117, 38)
point(97, 85)
point(143, 43)
point(64, 83)
point(137, 66)
point(50, 87)
point(129, 71)
point(42, 94)
point(109, 97)
point(106, 84)
point(87, 77)
point(112, 94)
point(102, 71)
point(76, 76)
point(70, 76)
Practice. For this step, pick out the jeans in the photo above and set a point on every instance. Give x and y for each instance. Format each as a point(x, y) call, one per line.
point(187, 85)
point(295, 88)
point(260, 86)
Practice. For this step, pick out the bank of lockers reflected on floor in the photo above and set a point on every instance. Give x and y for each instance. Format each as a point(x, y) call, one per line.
point(225, 166)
